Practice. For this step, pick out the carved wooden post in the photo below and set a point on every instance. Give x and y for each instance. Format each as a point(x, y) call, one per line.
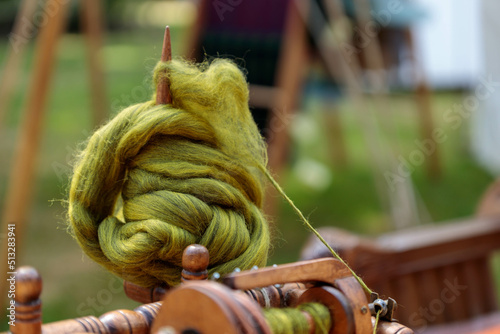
point(28, 314)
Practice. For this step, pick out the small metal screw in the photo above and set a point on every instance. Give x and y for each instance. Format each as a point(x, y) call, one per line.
point(275, 265)
point(216, 275)
point(255, 268)
point(364, 310)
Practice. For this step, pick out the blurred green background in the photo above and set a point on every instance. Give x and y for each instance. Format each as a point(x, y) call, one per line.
point(346, 197)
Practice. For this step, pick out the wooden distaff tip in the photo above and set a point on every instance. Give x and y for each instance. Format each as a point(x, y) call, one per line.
point(163, 89)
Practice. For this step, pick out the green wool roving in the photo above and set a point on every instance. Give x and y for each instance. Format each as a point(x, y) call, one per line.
point(293, 320)
point(157, 178)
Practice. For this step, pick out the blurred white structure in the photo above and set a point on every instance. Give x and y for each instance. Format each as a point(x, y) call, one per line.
point(486, 120)
point(448, 42)
point(458, 45)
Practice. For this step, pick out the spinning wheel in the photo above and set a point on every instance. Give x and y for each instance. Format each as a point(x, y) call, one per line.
point(239, 304)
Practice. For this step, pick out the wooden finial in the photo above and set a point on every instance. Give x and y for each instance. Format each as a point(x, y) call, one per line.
point(28, 314)
point(163, 89)
point(195, 261)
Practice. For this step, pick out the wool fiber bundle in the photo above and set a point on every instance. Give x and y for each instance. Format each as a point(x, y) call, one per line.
point(157, 178)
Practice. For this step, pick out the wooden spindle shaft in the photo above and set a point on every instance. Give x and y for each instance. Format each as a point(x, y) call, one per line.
point(163, 89)
point(195, 260)
point(149, 312)
point(88, 324)
point(93, 25)
point(310, 321)
point(119, 321)
point(124, 322)
point(27, 303)
point(270, 296)
point(286, 295)
point(385, 327)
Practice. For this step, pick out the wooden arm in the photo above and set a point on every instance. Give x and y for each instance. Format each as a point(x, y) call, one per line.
point(323, 270)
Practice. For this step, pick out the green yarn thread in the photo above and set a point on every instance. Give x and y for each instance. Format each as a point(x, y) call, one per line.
point(311, 228)
point(293, 320)
point(156, 179)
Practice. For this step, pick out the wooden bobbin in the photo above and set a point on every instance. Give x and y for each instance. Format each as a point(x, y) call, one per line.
point(338, 305)
point(285, 295)
point(28, 314)
point(195, 260)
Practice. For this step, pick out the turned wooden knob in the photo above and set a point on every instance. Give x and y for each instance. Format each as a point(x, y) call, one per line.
point(195, 261)
point(28, 284)
point(28, 287)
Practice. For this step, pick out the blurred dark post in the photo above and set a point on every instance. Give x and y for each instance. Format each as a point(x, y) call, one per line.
point(92, 20)
point(423, 99)
point(18, 43)
point(374, 61)
point(336, 144)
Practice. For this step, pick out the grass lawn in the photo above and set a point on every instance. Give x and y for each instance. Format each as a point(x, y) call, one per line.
point(344, 197)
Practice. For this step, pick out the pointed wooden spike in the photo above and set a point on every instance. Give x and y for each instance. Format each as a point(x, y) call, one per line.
point(163, 89)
